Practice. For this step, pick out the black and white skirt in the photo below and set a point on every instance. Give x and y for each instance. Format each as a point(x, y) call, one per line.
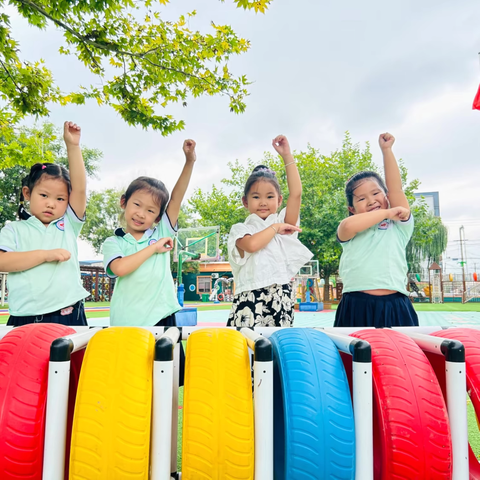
point(271, 306)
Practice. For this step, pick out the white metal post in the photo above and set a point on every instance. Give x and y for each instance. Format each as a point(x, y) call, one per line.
point(57, 402)
point(174, 429)
point(455, 376)
point(161, 451)
point(362, 400)
point(263, 401)
point(56, 420)
point(363, 413)
point(456, 386)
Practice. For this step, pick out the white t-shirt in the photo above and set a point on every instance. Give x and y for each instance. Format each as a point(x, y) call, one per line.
point(278, 262)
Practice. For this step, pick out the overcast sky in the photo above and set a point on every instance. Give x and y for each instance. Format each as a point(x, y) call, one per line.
point(319, 68)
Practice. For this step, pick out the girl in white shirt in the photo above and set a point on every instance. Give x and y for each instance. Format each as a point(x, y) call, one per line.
point(264, 251)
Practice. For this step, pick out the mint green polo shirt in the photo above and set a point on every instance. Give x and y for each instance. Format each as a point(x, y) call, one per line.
point(376, 259)
point(147, 295)
point(50, 286)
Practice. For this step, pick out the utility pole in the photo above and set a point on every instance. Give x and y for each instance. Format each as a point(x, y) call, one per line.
point(462, 231)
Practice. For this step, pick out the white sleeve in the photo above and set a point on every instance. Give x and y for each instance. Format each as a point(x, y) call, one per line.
point(238, 231)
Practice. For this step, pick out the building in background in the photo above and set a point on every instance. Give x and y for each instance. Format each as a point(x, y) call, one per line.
point(432, 200)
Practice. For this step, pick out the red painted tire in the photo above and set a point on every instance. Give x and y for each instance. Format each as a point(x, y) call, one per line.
point(471, 341)
point(411, 430)
point(220, 297)
point(24, 356)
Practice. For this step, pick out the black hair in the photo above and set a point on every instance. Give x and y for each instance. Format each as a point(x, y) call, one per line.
point(151, 185)
point(261, 172)
point(37, 172)
point(354, 181)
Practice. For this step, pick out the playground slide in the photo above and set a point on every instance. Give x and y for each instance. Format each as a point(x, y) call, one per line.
point(111, 425)
point(470, 338)
point(411, 430)
point(313, 415)
point(218, 424)
point(24, 357)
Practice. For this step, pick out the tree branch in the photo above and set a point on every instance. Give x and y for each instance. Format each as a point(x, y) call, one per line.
point(108, 47)
point(11, 78)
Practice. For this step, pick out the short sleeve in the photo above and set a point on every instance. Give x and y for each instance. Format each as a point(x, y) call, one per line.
point(167, 225)
point(281, 219)
point(8, 238)
point(239, 230)
point(111, 250)
point(405, 229)
point(75, 222)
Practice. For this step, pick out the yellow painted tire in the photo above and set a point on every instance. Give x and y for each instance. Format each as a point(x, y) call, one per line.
point(111, 424)
point(218, 434)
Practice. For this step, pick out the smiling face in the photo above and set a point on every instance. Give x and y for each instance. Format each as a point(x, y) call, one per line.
point(368, 196)
point(141, 212)
point(262, 199)
point(48, 199)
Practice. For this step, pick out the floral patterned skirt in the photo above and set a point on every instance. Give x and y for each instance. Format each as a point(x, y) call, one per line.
point(271, 306)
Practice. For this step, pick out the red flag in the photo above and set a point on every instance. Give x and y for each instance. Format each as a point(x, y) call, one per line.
point(476, 102)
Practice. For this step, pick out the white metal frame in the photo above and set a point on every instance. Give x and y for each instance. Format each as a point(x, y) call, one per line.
point(362, 404)
point(57, 408)
point(166, 393)
point(263, 401)
point(162, 411)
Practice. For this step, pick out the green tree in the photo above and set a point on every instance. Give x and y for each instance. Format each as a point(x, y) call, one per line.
point(142, 62)
point(102, 217)
point(32, 145)
point(323, 201)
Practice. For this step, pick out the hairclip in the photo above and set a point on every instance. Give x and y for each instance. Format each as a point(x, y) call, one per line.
point(267, 170)
point(44, 167)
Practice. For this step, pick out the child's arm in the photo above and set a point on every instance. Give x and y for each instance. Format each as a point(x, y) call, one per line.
point(281, 145)
point(254, 243)
point(393, 178)
point(181, 186)
point(126, 265)
point(21, 261)
point(78, 195)
point(354, 224)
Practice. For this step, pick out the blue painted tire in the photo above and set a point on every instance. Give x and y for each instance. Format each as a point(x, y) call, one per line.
point(314, 434)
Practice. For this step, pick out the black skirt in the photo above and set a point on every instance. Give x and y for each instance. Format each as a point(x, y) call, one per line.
point(73, 316)
point(358, 309)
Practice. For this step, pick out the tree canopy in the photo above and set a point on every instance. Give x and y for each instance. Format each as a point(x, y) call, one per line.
point(141, 62)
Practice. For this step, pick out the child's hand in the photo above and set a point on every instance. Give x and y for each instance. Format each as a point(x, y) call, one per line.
point(189, 150)
point(281, 145)
point(398, 214)
point(286, 228)
point(57, 255)
point(71, 134)
point(386, 140)
point(164, 245)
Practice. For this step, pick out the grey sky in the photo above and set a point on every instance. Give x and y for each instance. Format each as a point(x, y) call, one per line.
point(319, 68)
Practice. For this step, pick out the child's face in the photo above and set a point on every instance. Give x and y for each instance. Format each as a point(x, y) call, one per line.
point(262, 199)
point(368, 196)
point(141, 211)
point(48, 199)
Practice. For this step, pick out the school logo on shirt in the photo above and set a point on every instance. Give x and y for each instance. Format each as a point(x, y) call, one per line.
point(60, 225)
point(152, 241)
point(384, 225)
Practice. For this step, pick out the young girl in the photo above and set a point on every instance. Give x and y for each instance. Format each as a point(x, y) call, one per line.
point(264, 252)
point(373, 265)
point(40, 251)
point(138, 255)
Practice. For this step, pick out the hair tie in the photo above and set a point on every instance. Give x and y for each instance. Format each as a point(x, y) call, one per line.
point(44, 167)
point(267, 170)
